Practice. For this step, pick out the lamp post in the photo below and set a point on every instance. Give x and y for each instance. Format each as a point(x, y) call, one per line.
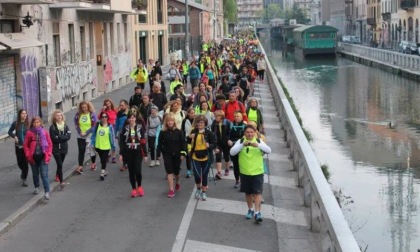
point(187, 35)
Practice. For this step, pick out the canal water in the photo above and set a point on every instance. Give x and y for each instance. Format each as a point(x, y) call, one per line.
point(365, 124)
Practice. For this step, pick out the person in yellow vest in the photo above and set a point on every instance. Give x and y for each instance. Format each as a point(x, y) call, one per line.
point(205, 47)
point(140, 74)
point(185, 70)
point(174, 83)
point(103, 141)
point(85, 121)
point(251, 166)
point(203, 65)
point(202, 144)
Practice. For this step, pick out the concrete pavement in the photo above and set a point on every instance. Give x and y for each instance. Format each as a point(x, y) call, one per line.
point(90, 215)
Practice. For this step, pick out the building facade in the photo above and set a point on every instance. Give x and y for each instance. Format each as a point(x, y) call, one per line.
point(249, 11)
point(150, 33)
point(360, 15)
point(405, 22)
point(67, 52)
point(198, 13)
point(338, 17)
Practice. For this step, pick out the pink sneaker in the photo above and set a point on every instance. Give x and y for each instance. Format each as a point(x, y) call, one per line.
point(177, 187)
point(171, 194)
point(134, 193)
point(140, 191)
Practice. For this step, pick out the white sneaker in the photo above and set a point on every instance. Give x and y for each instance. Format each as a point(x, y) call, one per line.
point(102, 176)
point(157, 163)
point(47, 196)
point(36, 191)
point(152, 163)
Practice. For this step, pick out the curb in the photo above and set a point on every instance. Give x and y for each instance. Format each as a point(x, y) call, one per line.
point(18, 215)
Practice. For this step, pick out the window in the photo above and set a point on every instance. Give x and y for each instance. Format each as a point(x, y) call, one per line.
point(91, 44)
point(119, 38)
point(83, 43)
point(111, 37)
point(125, 37)
point(7, 26)
point(142, 18)
point(71, 44)
point(105, 39)
point(177, 28)
point(56, 43)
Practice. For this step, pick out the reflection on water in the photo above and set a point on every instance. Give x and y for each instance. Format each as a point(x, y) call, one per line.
point(366, 127)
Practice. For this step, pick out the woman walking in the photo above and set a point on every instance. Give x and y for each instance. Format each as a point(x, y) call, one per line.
point(60, 134)
point(85, 121)
point(153, 123)
point(103, 141)
point(203, 143)
point(171, 143)
point(221, 128)
point(18, 131)
point(186, 128)
point(38, 150)
point(236, 132)
point(133, 148)
point(111, 111)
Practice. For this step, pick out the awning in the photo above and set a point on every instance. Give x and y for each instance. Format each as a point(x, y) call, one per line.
point(18, 40)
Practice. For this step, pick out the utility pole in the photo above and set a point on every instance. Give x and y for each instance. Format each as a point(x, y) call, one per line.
point(187, 35)
point(214, 19)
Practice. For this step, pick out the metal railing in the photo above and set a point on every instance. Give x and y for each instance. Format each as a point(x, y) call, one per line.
point(326, 217)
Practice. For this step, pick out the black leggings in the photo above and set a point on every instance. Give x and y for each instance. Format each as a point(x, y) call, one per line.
point(261, 74)
point(141, 85)
point(59, 159)
point(201, 171)
point(235, 161)
point(103, 156)
point(22, 162)
point(153, 151)
point(81, 145)
point(133, 160)
point(223, 149)
point(172, 164)
point(188, 161)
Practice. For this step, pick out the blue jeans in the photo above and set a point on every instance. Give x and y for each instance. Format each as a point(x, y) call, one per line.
point(41, 167)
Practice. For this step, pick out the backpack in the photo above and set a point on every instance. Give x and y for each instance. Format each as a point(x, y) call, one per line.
point(241, 107)
point(38, 153)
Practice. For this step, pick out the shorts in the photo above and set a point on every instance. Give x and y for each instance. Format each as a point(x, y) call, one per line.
point(252, 184)
point(172, 164)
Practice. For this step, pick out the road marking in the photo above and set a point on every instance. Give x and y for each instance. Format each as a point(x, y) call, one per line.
point(271, 180)
point(185, 224)
point(281, 215)
point(197, 246)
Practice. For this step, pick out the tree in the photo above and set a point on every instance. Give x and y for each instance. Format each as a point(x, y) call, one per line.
point(270, 12)
point(230, 10)
point(298, 13)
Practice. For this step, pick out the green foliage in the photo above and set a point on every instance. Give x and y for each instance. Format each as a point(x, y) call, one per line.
point(230, 10)
point(325, 169)
point(272, 11)
point(296, 13)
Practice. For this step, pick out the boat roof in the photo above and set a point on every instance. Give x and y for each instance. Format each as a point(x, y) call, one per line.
point(315, 28)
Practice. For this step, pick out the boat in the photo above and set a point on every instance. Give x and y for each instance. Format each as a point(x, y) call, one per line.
point(315, 40)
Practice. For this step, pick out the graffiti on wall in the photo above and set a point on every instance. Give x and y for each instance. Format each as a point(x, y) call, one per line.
point(108, 71)
point(72, 79)
point(30, 84)
point(7, 93)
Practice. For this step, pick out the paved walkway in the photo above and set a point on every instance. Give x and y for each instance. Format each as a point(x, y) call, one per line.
point(217, 224)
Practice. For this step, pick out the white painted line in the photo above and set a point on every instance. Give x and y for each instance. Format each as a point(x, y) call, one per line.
point(277, 214)
point(197, 246)
point(181, 236)
point(271, 126)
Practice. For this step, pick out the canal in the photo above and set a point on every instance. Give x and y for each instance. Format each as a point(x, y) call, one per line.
point(365, 124)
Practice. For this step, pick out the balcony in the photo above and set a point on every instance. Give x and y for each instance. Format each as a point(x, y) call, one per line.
point(111, 6)
point(408, 5)
point(29, 1)
point(386, 16)
point(371, 21)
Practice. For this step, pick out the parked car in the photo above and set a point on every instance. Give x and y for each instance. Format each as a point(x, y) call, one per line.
point(407, 47)
point(351, 39)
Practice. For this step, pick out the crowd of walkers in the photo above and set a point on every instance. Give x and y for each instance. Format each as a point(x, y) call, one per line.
point(217, 120)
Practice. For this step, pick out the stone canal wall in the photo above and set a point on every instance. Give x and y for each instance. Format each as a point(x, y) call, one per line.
point(326, 217)
point(403, 64)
